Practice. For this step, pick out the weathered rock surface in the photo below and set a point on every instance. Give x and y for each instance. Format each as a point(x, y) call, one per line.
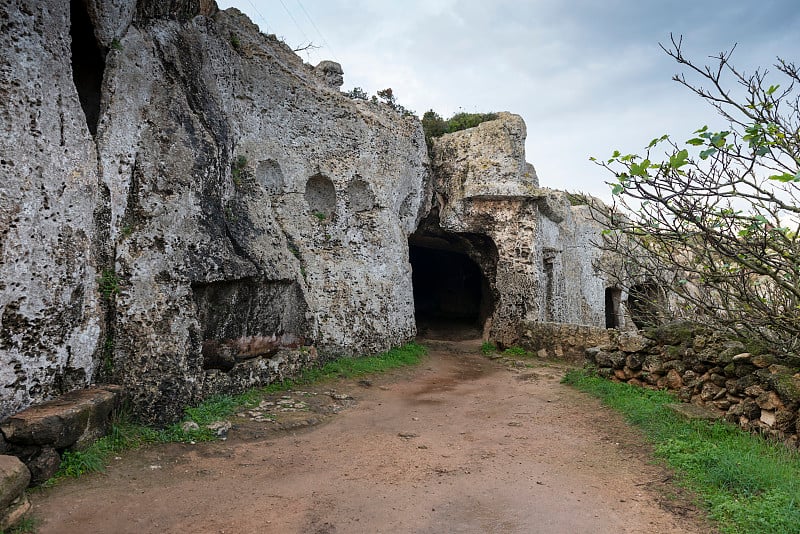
point(534, 247)
point(180, 192)
point(43, 465)
point(192, 181)
point(15, 512)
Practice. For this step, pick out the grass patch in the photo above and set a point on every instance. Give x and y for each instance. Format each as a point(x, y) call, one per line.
point(26, 526)
point(409, 354)
point(488, 348)
point(127, 435)
point(747, 484)
point(516, 351)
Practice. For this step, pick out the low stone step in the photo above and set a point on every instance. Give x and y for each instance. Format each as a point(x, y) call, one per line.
point(75, 419)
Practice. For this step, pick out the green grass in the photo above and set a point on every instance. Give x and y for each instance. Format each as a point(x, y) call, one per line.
point(126, 435)
point(516, 351)
point(409, 354)
point(26, 526)
point(747, 484)
point(488, 348)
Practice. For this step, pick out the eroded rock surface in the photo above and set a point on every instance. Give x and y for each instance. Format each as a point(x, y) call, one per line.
point(187, 209)
point(193, 181)
point(534, 247)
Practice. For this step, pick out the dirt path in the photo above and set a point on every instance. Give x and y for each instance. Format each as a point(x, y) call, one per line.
point(459, 444)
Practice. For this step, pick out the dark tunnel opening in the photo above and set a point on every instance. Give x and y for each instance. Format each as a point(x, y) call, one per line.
point(88, 63)
point(452, 296)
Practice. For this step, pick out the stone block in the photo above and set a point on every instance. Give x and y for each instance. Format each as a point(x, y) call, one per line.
point(768, 418)
point(629, 342)
point(653, 364)
point(693, 411)
point(43, 465)
point(769, 401)
point(635, 360)
point(77, 417)
point(710, 391)
point(14, 478)
point(614, 360)
point(763, 360)
point(674, 380)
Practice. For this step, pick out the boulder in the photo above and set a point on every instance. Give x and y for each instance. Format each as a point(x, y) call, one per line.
point(635, 360)
point(14, 478)
point(653, 364)
point(788, 386)
point(615, 360)
point(74, 419)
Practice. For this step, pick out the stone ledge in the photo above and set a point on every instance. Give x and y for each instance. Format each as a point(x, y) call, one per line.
point(75, 419)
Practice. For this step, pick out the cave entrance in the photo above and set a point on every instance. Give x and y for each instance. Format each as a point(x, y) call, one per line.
point(88, 63)
point(453, 296)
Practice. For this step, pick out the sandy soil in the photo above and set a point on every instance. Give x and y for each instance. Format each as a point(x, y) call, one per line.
point(459, 444)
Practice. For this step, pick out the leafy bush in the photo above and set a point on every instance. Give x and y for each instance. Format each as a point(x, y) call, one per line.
point(714, 219)
point(435, 126)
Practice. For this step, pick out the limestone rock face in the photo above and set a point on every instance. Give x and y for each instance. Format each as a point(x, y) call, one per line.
point(534, 248)
point(192, 181)
point(50, 221)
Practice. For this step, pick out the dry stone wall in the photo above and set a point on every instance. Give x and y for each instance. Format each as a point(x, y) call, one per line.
point(759, 392)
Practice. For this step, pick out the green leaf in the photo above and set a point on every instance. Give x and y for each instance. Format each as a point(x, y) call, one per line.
point(701, 130)
point(696, 141)
point(678, 160)
point(785, 177)
point(718, 139)
point(772, 89)
point(617, 189)
point(706, 153)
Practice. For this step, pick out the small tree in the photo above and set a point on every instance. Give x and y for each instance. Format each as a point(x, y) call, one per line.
point(716, 220)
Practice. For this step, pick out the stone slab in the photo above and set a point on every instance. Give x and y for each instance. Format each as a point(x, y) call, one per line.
point(80, 415)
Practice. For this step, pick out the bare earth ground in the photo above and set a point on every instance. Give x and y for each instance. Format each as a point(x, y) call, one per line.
point(459, 444)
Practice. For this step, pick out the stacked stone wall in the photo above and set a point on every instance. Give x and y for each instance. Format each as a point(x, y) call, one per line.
point(758, 392)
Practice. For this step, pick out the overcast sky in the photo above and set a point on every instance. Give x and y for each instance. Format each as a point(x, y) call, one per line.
point(587, 76)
